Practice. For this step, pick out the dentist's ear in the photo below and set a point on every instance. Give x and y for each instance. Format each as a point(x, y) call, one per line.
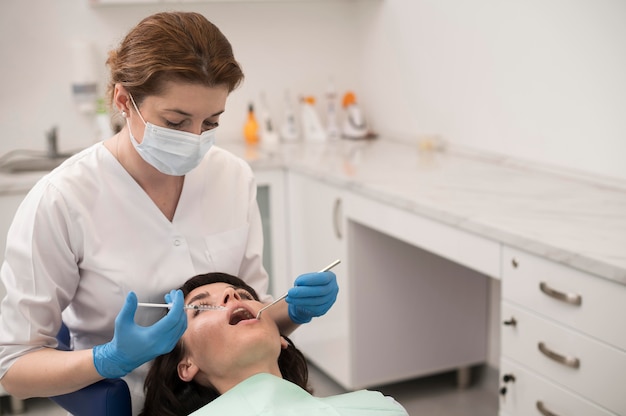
point(187, 370)
point(121, 100)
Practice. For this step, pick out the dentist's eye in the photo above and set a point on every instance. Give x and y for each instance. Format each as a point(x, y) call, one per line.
point(173, 125)
point(208, 125)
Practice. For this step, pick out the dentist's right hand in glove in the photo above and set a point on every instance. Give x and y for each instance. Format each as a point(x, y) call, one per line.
point(133, 345)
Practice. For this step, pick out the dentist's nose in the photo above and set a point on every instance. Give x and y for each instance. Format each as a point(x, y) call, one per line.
point(199, 129)
point(230, 294)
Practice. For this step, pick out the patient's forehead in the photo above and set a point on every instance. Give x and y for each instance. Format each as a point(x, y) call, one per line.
point(211, 289)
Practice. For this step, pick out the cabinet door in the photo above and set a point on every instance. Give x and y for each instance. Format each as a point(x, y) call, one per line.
point(530, 392)
point(316, 224)
point(588, 303)
point(271, 199)
point(316, 231)
point(579, 363)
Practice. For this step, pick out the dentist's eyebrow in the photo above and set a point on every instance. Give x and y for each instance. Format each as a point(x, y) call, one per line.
point(186, 114)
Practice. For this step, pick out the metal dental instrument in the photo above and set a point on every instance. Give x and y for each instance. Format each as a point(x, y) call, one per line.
point(325, 269)
point(193, 307)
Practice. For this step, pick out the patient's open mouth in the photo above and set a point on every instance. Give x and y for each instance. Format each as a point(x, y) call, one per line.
point(240, 314)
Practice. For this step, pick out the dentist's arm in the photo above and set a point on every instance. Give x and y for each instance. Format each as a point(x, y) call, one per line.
point(49, 372)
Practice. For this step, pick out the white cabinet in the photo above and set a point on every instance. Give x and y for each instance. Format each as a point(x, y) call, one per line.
point(316, 238)
point(566, 327)
point(402, 311)
point(271, 200)
point(531, 394)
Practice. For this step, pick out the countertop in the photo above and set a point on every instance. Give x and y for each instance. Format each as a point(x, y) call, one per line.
point(575, 220)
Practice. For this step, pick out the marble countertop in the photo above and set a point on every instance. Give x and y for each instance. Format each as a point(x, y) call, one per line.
point(578, 221)
point(575, 220)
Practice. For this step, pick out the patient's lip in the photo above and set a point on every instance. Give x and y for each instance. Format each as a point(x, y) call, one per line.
point(239, 313)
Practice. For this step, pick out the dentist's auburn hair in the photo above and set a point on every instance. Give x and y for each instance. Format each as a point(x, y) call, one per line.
point(172, 46)
point(168, 395)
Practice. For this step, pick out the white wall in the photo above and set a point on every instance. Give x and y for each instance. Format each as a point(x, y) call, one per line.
point(279, 44)
point(543, 80)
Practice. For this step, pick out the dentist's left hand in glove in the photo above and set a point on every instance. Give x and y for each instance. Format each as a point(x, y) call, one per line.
point(312, 295)
point(133, 345)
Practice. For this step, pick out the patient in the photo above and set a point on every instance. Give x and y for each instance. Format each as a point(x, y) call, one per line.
point(228, 362)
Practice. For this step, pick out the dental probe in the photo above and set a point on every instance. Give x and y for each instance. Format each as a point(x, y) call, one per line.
point(194, 307)
point(325, 269)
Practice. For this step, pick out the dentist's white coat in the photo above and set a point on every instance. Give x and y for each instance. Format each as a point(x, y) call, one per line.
point(87, 234)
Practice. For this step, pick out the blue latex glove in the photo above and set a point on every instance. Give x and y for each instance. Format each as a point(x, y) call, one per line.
point(133, 345)
point(312, 295)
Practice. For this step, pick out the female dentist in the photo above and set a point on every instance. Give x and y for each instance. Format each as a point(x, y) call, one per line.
point(126, 219)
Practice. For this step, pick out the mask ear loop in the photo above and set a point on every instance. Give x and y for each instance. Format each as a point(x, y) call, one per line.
point(132, 100)
point(130, 132)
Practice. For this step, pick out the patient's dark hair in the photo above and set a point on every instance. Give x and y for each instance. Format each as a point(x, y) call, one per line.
point(168, 395)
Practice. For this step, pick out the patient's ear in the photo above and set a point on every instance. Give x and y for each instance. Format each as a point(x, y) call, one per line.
point(187, 370)
point(283, 343)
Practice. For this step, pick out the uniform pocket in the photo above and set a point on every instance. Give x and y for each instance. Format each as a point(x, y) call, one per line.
point(225, 250)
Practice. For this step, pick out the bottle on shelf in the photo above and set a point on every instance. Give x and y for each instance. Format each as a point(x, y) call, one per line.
point(251, 128)
point(354, 126)
point(311, 125)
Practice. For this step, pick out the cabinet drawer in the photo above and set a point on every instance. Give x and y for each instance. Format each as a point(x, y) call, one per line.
point(596, 306)
point(529, 391)
point(579, 363)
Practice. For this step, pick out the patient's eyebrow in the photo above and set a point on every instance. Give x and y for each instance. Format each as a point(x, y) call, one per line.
point(198, 297)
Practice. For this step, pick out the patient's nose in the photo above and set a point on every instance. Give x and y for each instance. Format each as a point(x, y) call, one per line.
point(230, 294)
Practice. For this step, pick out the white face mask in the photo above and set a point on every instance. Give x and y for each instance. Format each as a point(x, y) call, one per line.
point(172, 152)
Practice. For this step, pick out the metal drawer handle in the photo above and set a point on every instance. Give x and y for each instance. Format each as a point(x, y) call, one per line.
point(542, 409)
point(571, 298)
point(572, 362)
point(511, 322)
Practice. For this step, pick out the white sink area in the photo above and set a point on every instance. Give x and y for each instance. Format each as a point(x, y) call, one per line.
point(32, 164)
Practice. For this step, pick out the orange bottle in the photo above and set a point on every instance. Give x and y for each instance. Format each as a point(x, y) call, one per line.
point(251, 128)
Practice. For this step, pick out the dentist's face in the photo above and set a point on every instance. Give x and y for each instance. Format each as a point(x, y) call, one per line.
point(180, 106)
point(228, 342)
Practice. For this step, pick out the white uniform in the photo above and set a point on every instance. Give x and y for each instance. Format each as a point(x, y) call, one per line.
point(87, 234)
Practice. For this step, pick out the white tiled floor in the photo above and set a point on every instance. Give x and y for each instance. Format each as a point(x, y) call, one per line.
point(432, 396)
